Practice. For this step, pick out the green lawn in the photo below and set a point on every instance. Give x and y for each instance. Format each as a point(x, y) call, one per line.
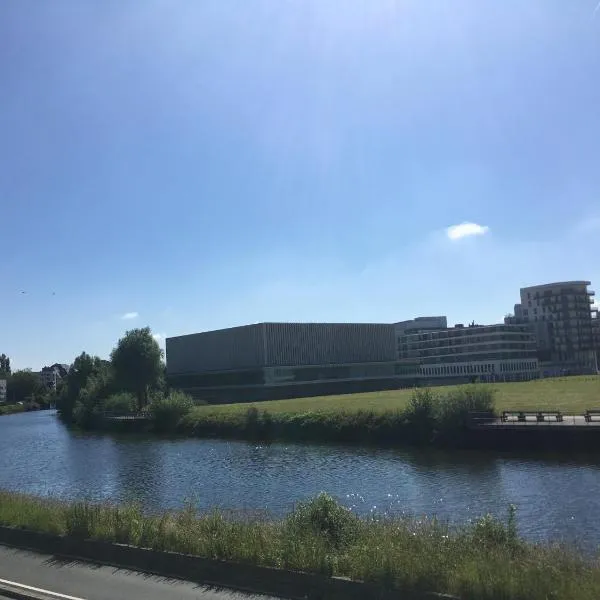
point(568, 394)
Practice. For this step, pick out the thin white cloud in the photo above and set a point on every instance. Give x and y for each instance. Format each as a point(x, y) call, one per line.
point(130, 315)
point(457, 232)
point(158, 336)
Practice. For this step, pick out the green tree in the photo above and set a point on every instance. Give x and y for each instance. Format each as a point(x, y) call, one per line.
point(85, 368)
point(23, 386)
point(137, 363)
point(4, 366)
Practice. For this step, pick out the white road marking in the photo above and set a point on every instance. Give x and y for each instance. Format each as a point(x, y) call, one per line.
point(37, 590)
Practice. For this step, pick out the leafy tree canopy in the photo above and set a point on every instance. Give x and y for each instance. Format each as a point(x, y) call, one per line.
point(23, 386)
point(137, 363)
point(85, 368)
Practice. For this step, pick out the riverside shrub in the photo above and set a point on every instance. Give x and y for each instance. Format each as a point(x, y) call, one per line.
point(120, 404)
point(168, 411)
point(325, 517)
point(420, 415)
point(452, 409)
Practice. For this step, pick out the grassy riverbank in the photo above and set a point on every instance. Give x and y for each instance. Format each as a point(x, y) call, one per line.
point(568, 394)
point(11, 409)
point(398, 416)
point(485, 560)
point(426, 417)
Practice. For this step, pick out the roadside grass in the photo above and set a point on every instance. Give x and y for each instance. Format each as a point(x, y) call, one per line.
point(485, 560)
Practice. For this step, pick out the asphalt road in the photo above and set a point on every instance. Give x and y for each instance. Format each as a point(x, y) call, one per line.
point(92, 582)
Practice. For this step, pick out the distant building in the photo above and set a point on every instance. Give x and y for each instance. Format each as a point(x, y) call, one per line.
point(2, 391)
point(421, 324)
point(279, 360)
point(50, 376)
point(562, 318)
point(476, 352)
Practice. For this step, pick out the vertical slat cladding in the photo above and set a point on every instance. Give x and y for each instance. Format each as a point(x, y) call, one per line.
point(282, 344)
point(328, 343)
point(224, 349)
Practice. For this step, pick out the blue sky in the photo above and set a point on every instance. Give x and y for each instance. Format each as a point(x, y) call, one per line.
point(196, 165)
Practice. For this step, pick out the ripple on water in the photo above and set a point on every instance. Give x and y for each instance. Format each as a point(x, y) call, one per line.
point(555, 498)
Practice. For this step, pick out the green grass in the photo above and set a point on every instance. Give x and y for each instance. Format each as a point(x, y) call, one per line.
point(485, 560)
point(567, 394)
point(388, 416)
point(11, 409)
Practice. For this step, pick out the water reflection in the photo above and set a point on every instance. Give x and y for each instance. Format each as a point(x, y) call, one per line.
point(556, 496)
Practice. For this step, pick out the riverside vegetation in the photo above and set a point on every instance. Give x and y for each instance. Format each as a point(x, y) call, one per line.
point(428, 417)
point(417, 416)
point(11, 409)
point(420, 416)
point(485, 560)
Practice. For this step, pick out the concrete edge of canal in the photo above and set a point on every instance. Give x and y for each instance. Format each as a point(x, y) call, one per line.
point(213, 573)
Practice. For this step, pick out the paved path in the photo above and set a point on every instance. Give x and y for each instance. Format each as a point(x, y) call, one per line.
point(91, 582)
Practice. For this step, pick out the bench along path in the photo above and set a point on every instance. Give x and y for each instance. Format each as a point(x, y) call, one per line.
point(523, 418)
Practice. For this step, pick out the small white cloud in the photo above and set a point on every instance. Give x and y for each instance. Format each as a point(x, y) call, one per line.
point(130, 315)
point(159, 337)
point(457, 232)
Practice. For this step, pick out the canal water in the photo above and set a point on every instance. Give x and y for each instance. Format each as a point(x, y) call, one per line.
point(557, 498)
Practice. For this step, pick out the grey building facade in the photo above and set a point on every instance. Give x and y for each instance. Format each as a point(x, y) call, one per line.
point(269, 360)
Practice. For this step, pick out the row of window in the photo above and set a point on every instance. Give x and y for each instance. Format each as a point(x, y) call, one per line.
point(410, 350)
point(461, 333)
point(478, 369)
point(518, 366)
point(559, 292)
point(484, 357)
point(434, 342)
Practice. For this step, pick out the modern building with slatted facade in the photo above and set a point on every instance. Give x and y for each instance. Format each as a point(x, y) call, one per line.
point(271, 360)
